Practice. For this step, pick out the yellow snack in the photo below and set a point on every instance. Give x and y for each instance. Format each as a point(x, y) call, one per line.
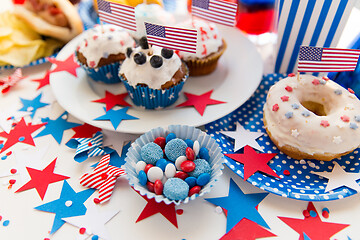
point(19, 44)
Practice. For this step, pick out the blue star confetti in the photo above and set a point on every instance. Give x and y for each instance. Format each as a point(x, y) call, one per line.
point(70, 204)
point(116, 116)
point(56, 127)
point(32, 105)
point(239, 206)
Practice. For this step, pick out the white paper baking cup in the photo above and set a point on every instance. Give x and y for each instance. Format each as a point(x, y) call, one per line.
point(184, 132)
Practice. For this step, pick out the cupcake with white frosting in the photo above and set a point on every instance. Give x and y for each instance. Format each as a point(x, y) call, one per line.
point(153, 76)
point(102, 52)
point(210, 47)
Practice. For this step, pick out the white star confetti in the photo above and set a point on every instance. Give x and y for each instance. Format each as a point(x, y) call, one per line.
point(337, 140)
point(295, 133)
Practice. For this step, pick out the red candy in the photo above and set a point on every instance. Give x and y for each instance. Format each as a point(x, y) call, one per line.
point(96, 200)
point(306, 213)
point(285, 98)
point(187, 166)
point(325, 214)
point(161, 141)
point(315, 82)
point(275, 107)
point(291, 75)
point(158, 187)
point(193, 190)
point(151, 186)
point(181, 175)
point(13, 171)
point(288, 88)
point(190, 155)
point(286, 172)
point(82, 230)
point(147, 167)
point(345, 118)
point(351, 91)
point(12, 181)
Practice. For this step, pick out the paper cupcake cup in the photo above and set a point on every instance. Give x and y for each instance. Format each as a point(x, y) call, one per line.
point(106, 74)
point(184, 132)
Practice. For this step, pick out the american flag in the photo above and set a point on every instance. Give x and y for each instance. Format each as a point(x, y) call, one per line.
point(318, 59)
point(182, 39)
point(217, 11)
point(117, 14)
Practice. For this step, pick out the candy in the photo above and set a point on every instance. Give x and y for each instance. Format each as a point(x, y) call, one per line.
point(140, 165)
point(202, 166)
point(176, 189)
point(170, 137)
point(194, 190)
point(155, 173)
point(196, 147)
point(150, 186)
point(190, 143)
point(182, 175)
point(128, 52)
point(179, 161)
point(175, 148)
point(161, 163)
point(161, 141)
point(143, 43)
point(204, 154)
point(151, 152)
point(170, 171)
point(147, 167)
point(191, 181)
point(142, 177)
point(167, 53)
point(156, 61)
point(190, 155)
point(158, 187)
point(203, 179)
point(187, 166)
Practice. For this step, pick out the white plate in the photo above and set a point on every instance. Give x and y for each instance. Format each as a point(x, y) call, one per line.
point(237, 76)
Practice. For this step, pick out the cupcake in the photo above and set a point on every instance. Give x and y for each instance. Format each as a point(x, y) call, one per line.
point(153, 76)
point(210, 47)
point(102, 51)
point(174, 165)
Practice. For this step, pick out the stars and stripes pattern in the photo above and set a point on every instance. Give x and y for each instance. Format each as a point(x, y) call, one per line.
point(7, 82)
point(182, 39)
point(217, 11)
point(117, 14)
point(103, 178)
point(318, 59)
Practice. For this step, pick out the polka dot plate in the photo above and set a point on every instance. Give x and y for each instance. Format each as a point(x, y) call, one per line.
point(300, 184)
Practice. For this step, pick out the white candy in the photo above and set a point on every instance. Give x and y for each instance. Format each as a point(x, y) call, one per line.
point(179, 161)
point(140, 165)
point(170, 170)
point(155, 173)
point(196, 147)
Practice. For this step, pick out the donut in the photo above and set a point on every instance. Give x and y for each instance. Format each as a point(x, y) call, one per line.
point(312, 118)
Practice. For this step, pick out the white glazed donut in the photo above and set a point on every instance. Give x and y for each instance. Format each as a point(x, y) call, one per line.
point(312, 118)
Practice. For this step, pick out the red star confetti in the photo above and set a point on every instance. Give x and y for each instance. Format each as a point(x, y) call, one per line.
point(246, 229)
point(288, 88)
point(275, 107)
point(199, 101)
point(316, 82)
point(345, 118)
point(254, 162)
point(43, 81)
point(68, 65)
point(152, 207)
point(20, 133)
point(324, 123)
point(285, 98)
point(313, 227)
point(85, 131)
point(7, 82)
point(40, 179)
point(112, 100)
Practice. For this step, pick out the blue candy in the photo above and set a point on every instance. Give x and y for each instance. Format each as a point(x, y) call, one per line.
point(142, 177)
point(204, 154)
point(175, 148)
point(203, 179)
point(190, 143)
point(161, 163)
point(201, 166)
point(170, 137)
point(191, 181)
point(176, 189)
point(151, 152)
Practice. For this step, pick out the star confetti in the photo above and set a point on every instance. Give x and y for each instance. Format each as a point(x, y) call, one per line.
point(20, 133)
point(112, 100)
point(243, 137)
point(152, 208)
point(116, 116)
point(239, 206)
point(68, 65)
point(248, 230)
point(338, 178)
point(313, 227)
point(199, 102)
point(7, 82)
point(93, 222)
point(56, 127)
point(40, 179)
point(85, 131)
point(70, 204)
point(254, 162)
point(32, 105)
point(44, 81)
point(87, 147)
point(103, 178)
